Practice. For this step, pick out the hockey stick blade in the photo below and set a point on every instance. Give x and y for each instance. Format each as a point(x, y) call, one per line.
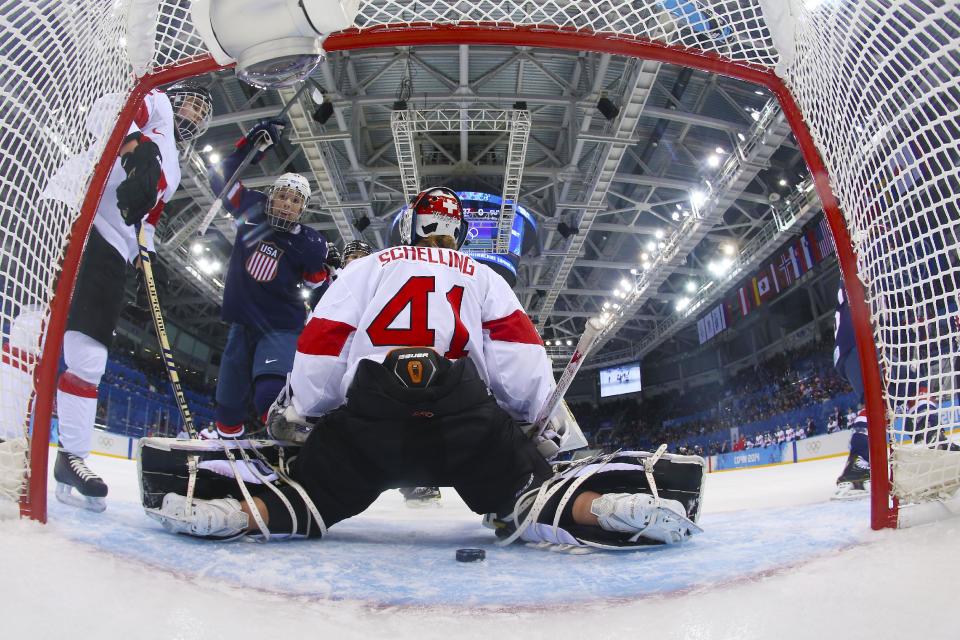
point(590, 334)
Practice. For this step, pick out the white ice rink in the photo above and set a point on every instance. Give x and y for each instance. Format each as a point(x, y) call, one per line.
point(778, 560)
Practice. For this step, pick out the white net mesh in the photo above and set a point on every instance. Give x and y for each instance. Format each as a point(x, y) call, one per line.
point(875, 81)
point(878, 86)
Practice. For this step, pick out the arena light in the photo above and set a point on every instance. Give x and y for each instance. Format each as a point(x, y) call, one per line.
point(546, 343)
point(625, 284)
point(651, 246)
point(633, 272)
point(645, 265)
point(606, 305)
point(782, 182)
point(274, 44)
point(727, 249)
point(569, 343)
point(713, 161)
point(305, 294)
point(644, 256)
point(675, 215)
point(214, 158)
point(683, 303)
point(207, 148)
point(196, 248)
point(697, 198)
point(691, 286)
point(658, 234)
point(720, 151)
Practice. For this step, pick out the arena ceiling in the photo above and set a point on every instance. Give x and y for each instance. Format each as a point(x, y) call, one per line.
point(608, 194)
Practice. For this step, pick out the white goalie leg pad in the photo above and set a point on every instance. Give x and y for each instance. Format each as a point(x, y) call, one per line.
point(221, 518)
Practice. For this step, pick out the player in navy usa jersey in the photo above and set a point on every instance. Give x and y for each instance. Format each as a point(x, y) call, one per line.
point(274, 259)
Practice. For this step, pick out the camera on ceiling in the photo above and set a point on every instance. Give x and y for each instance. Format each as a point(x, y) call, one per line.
point(274, 43)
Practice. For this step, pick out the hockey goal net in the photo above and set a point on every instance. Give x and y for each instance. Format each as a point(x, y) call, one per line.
point(870, 89)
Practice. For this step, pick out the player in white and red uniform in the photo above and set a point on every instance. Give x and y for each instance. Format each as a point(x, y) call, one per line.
point(144, 177)
point(421, 363)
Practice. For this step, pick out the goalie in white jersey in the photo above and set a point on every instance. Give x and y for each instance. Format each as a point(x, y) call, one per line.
point(420, 364)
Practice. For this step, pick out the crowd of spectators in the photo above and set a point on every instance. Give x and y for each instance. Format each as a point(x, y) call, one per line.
point(711, 419)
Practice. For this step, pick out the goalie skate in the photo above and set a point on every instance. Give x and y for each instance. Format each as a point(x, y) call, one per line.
point(72, 474)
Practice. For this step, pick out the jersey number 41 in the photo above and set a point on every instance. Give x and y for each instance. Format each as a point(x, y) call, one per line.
point(415, 292)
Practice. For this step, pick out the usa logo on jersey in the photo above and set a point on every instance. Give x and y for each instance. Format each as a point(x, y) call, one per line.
point(263, 262)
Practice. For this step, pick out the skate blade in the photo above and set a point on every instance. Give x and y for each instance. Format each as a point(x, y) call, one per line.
point(432, 503)
point(853, 494)
point(65, 495)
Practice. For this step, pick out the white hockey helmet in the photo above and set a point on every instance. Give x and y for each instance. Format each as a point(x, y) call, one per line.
point(286, 200)
point(192, 110)
point(434, 212)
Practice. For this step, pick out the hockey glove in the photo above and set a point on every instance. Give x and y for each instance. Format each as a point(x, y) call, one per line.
point(334, 257)
point(137, 194)
point(286, 425)
point(264, 135)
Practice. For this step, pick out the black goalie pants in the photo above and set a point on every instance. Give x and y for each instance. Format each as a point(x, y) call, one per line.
point(452, 434)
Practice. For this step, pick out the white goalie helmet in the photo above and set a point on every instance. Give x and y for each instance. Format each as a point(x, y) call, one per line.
point(434, 212)
point(286, 200)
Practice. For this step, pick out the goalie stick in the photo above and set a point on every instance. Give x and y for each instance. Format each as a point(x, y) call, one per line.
point(147, 268)
point(258, 147)
point(590, 334)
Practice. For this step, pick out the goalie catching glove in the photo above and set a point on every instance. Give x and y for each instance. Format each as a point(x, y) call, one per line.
point(137, 194)
point(561, 433)
point(284, 424)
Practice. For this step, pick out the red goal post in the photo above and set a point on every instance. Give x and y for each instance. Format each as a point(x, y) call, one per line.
point(856, 84)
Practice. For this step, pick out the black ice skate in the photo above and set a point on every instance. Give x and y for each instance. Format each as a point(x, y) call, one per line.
point(71, 472)
point(854, 482)
point(421, 497)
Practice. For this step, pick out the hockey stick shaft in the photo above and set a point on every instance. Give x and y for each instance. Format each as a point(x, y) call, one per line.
point(147, 268)
point(590, 334)
point(247, 159)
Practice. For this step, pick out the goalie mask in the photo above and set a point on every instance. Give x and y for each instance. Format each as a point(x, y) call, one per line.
point(286, 200)
point(192, 111)
point(434, 212)
point(355, 249)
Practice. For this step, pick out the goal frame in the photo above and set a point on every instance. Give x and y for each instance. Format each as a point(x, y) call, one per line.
point(884, 507)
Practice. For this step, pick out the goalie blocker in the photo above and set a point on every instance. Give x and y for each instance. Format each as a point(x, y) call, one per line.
point(390, 434)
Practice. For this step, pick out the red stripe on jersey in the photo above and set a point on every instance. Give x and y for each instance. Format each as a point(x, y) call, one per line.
point(76, 386)
point(235, 194)
point(316, 277)
point(323, 337)
point(516, 327)
point(142, 116)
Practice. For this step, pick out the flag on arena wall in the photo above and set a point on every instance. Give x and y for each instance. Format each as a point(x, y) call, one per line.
point(713, 323)
point(788, 268)
point(824, 239)
point(745, 300)
point(805, 251)
point(766, 286)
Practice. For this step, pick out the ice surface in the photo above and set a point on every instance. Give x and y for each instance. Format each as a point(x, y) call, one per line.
point(778, 560)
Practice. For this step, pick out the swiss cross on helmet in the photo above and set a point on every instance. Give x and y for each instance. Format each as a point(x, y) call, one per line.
point(434, 212)
point(286, 200)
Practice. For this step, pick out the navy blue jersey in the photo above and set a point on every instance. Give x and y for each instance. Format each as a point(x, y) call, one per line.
point(844, 342)
point(267, 267)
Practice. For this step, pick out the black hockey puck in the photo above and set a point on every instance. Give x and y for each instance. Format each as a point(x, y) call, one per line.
point(471, 555)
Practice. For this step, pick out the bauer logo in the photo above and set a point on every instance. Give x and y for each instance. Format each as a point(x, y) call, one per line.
point(263, 262)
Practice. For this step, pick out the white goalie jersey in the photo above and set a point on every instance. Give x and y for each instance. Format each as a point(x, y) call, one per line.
point(419, 296)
